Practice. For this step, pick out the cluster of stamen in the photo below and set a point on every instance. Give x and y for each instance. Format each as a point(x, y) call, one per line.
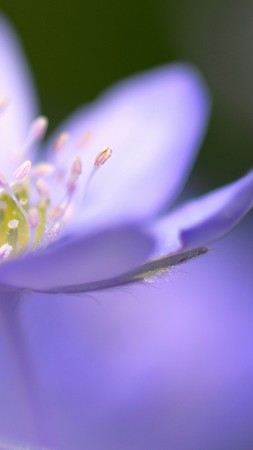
point(28, 219)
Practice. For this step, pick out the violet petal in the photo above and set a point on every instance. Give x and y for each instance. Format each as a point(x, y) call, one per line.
point(79, 259)
point(154, 122)
point(18, 104)
point(205, 219)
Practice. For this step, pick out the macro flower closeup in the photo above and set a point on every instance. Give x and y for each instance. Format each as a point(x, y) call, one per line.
point(88, 211)
point(82, 214)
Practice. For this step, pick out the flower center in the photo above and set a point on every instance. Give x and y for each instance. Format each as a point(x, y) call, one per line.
point(28, 218)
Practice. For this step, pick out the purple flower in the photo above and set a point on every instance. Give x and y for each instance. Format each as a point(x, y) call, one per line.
point(86, 218)
point(78, 220)
point(168, 365)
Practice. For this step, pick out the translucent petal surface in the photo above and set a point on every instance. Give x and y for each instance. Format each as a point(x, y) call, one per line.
point(162, 366)
point(80, 259)
point(205, 219)
point(154, 123)
point(16, 377)
point(18, 105)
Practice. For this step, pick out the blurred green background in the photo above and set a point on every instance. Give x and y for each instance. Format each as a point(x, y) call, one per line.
point(78, 48)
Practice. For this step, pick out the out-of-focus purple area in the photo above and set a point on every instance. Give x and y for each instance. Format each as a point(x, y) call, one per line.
point(168, 365)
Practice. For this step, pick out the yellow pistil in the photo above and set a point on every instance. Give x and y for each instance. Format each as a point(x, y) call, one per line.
point(14, 228)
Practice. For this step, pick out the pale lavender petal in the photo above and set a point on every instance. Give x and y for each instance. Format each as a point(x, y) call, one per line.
point(154, 123)
point(80, 259)
point(162, 367)
point(19, 396)
point(205, 219)
point(18, 105)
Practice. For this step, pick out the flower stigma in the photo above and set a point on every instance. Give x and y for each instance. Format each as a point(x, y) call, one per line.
point(29, 219)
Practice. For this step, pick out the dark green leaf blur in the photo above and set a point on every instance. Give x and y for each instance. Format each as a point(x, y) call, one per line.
point(77, 48)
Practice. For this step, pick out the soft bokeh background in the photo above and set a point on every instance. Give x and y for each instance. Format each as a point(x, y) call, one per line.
point(189, 344)
point(78, 48)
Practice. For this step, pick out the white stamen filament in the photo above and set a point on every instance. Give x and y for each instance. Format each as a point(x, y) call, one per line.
point(101, 158)
point(38, 129)
point(76, 170)
point(27, 221)
point(59, 211)
point(35, 134)
point(4, 184)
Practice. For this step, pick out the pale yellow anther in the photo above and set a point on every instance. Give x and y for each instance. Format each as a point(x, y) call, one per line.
point(38, 128)
point(103, 156)
point(25, 228)
point(23, 201)
point(76, 168)
point(22, 171)
point(42, 188)
point(13, 224)
point(42, 169)
point(33, 217)
point(60, 141)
